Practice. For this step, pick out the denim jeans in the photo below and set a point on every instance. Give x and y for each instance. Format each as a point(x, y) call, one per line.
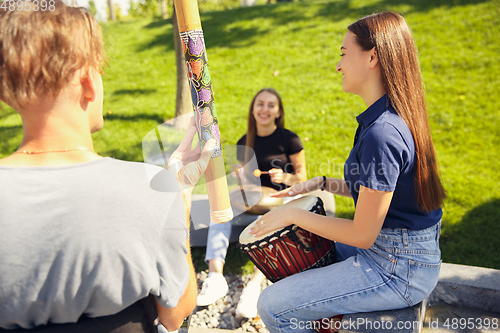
point(399, 270)
point(218, 237)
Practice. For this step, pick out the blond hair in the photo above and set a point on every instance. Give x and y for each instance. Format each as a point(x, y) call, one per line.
point(40, 50)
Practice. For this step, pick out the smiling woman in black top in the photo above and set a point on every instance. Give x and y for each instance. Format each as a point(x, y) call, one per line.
point(279, 152)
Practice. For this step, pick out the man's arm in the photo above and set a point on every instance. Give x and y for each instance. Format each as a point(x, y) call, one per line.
point(172, 318)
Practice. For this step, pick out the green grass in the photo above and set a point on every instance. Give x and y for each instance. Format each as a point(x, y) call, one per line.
point(459, 48)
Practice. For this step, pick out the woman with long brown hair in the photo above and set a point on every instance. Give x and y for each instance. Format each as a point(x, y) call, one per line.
point(388, 255)
point(279, 152)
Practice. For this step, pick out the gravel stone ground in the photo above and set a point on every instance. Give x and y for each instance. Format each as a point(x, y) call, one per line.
point(221, 314)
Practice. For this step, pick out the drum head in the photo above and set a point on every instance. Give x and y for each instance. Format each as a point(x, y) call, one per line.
point(257, 198)
point(306, 202)
point(266, 203)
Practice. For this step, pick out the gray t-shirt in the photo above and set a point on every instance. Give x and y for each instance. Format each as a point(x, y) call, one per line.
point(89, 239)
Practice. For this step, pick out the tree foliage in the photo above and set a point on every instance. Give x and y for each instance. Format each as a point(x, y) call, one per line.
point(143, 8)
point(92, 8)
point(118, 12)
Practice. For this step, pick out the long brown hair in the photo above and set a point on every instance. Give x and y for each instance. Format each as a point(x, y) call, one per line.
point(252, 127)
point(391, 37)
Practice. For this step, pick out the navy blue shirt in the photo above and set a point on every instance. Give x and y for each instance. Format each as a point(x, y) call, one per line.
point(383, 159)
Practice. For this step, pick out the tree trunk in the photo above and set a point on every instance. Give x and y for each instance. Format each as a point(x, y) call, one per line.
point(112, 16)
point(183, 102)
point(164, 9)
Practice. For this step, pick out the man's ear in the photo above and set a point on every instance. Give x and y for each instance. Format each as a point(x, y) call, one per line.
point(374, 60)
point(88, 81)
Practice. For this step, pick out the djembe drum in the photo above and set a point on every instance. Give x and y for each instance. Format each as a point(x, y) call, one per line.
point(291, 250)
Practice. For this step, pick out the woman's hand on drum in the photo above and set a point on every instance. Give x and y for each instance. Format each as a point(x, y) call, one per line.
point(188, 164)
point(299, 188)
point(275, 220)
point(277, 175)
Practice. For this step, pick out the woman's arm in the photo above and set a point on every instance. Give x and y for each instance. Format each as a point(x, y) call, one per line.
point(299, 168)
point(371, 209)
point(334, 185)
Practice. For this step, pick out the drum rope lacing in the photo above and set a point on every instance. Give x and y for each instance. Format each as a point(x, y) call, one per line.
point(274, 274)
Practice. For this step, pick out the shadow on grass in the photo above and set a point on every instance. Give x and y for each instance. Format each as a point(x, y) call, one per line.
point(474, 240)
point(133, 92)
point(217, 31)
point(164, 39)
point(134, 117)
point(339, 10)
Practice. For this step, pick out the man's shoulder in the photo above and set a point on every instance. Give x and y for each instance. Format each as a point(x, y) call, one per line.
point(130, 166)
point(139, 175)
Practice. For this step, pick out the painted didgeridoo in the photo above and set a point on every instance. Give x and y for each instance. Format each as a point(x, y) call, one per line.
point(195, 55)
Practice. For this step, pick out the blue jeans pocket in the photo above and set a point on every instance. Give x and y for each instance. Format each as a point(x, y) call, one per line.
point(422, 278)
point(382, 258)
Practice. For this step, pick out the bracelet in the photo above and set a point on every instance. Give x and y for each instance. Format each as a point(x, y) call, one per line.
point(324, 183)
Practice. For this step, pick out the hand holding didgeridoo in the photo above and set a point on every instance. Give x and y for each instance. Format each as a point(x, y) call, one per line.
point(193, 43)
